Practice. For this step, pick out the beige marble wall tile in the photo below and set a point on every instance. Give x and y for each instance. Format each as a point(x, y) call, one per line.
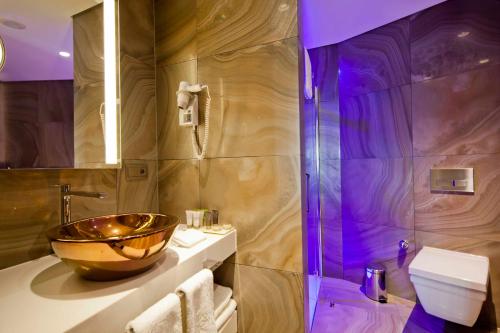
point(91, 180)
point(255, 100)
point(490, 249)
point(175, 31)
point(269, 301)
point(475, 215)
point(234, 24)
point(137, 80)
point(89, 86)
point(137, 195)
point(29, 207)
point(260, 196)
point(89, 135)
point(138, 109)
point(178, 187)
point(88, 47)
point(137, 30)
point(174, 142)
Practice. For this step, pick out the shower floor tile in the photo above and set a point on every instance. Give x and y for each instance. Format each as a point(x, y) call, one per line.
point(342, 307)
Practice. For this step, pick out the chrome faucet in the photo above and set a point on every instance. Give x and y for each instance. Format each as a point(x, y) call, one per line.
point(66, 195)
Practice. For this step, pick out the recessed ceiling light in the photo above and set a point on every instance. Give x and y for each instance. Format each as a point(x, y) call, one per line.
point(463, 34)
point(12, 24)
point(64, 54)
point(484, 61)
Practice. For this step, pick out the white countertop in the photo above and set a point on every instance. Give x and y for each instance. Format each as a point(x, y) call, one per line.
point(44, 295)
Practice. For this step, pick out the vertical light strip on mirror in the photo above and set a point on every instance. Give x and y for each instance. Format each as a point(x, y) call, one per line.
point(110, 118)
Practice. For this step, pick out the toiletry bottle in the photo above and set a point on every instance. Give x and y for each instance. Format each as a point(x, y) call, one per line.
point(189, 218)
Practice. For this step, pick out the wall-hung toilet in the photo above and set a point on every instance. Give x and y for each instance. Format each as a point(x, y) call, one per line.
point(450, 285)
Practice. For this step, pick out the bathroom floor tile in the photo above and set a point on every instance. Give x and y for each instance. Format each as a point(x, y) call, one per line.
point(342, 307)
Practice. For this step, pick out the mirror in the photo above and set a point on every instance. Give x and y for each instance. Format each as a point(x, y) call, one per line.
point(59, 97)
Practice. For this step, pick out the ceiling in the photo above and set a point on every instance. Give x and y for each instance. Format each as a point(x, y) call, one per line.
point(326, 22)
point(33, 53)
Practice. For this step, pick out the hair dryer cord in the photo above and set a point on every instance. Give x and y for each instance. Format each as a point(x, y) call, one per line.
point(201, 152)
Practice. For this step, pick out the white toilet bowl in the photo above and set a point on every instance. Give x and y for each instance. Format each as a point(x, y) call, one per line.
point(450, 285)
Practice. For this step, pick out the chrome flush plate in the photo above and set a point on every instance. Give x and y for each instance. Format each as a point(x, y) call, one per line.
point(455, 180)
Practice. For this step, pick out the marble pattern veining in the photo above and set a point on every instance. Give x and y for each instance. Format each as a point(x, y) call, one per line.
point(260, 196)
point(454, 37)
point(376, 60)
point(269, 301)
point(174, 141)
point(331, 217)
point(377, 124)
point(138, 195)
point(457, 114)
point(342, 307)
point(175, 31)
point(138, 109)
point(329, 130)
point(88, 129)
point(88, 47)
point(29, 206)
point(137, 80)
point(230, 25)
point(88, 65)
point(475, 215)
point(254, 100)
point(325, 71)
point(378, 191)
point(367, 243)
point(137, 39)
point(178, 187)
point(332, 248)
point(450, 107)
point(247, 53)
point(38, 120)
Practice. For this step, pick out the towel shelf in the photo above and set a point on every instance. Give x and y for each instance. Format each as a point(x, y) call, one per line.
point(212, 264)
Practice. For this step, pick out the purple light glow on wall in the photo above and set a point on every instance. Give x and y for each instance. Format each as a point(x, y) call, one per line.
point(329, 22)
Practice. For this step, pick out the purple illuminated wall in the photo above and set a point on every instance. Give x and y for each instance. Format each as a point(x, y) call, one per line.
point(417, 93)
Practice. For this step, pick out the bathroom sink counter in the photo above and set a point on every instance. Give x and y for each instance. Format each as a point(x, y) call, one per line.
point(44, 295)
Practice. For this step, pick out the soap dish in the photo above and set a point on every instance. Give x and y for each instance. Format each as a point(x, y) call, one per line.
point(221, 231)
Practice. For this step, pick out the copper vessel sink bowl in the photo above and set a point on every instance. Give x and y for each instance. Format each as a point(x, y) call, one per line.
point(113, 247)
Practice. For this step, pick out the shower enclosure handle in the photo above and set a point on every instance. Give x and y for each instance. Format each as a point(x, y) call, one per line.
point(307, 192)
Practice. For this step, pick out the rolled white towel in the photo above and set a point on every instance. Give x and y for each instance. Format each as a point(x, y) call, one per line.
point(225, 314)
point(222, 296)
point(188, 238)
point(199, 298)
point(163, 316)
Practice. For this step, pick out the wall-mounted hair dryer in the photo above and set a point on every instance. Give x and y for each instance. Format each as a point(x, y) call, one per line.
point(187, 103)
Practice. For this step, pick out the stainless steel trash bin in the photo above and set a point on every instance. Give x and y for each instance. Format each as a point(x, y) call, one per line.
point(375, 287)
